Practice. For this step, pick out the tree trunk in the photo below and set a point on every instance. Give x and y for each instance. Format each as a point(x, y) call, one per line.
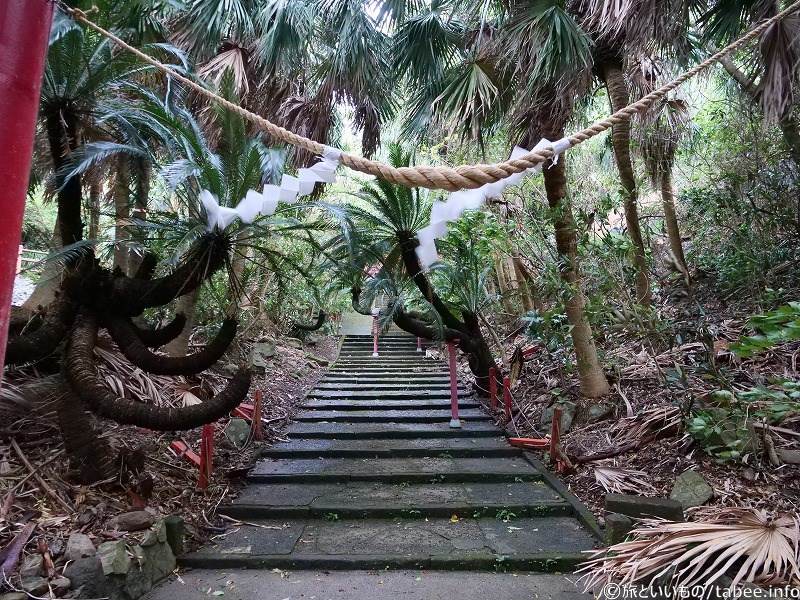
point(593, 383)
point(95, 192)
point(617, 87)
point(187, 304)
point(671, 221)
point(502, 283)
point(62, 134)
point(141, 199)
point(530, 299)
point(122, 212)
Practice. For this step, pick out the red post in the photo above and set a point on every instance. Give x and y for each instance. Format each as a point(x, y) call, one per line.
point(206, 455)
point(24, 35)
point(419, 344)
point(375, 333)
point(555, 434)
point(257, 426)
point(454, 420)
point(493, 386)
point(507, 397)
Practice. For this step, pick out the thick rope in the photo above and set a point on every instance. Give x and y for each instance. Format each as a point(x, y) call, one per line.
point(443, 177)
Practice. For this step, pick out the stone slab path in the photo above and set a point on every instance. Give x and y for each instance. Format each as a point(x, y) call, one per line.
point(373, 477)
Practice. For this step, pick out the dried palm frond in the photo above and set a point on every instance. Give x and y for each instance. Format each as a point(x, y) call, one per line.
point(747, 544)
point(232, 58)
point(654, 421)
point(620, 480)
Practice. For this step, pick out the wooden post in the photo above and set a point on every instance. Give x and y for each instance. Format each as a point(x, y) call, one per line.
point(206, 455)
point(455, 422)
point(419, 344)
point(24, 37)
point(257, 426)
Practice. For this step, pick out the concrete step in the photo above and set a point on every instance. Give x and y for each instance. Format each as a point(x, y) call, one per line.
point(392, 470)
point(383, 386)
point(345, 394)
point(359, 405)
point(393, 448)
point(364, 500)
point(361, 431)
point(536, 544)
point(389, 416)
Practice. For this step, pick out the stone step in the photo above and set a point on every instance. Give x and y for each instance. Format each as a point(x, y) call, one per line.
point(363, 500)
point(361, 431)
point(537, 544)
point(389, 416)
point(383, 371)
point(355, 386)
point(343, 394)
point(391, 448)
point(392, 469)
point(415, 378)
point(359, 405)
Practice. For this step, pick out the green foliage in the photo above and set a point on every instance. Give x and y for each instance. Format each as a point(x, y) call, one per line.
point(775, 327)
point(550, 329)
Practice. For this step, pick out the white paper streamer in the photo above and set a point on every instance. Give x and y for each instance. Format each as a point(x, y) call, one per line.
point(266, 202)
point(461, 200)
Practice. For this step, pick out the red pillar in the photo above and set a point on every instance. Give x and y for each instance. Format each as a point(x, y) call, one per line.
point(454, 420)
point(24, 34)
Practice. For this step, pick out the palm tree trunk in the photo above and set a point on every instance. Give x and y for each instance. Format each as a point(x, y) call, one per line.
point(502, 283)
point(187, 304)
point(530, 299)
point(593, 383)
point(122, 212)
point(62, 132)
point(671, 221)
point(142, 196)
point(617, 87)
point(95, 191)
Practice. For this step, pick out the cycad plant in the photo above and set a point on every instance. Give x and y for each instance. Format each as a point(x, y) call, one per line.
point(385, 220)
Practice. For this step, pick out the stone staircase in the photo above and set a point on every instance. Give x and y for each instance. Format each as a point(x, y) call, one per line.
point(374, 477)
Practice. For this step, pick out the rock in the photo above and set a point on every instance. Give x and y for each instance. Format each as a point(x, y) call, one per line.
point(567, 416)
point(640, 507)
point(691, 489)
point(318, 359)
point(150, 538)
point(617, 528)
point(294, 343)
point(137, 583)
point(56, 546)
point(788, 456)
point(60, 585)
point(86, 575)
point(599, 411)
point(35, 586)
point(132, 521)
point(237, 432)
point(161, 530)
point(260, 355)
point(14, 596)
point(114, 557)
point(160, 561)
point(31, 566)
point(79, 546)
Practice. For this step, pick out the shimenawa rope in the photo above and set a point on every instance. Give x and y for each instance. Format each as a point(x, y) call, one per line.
point(442, 177)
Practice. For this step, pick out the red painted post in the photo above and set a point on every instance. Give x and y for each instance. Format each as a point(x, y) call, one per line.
point(206, 455)
point(454, 420)
point(24, 35)
point(257, 426)
point(493, 386)
point(375, 313)
point(555, 434)
point(507, 397)
point(419, 344)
